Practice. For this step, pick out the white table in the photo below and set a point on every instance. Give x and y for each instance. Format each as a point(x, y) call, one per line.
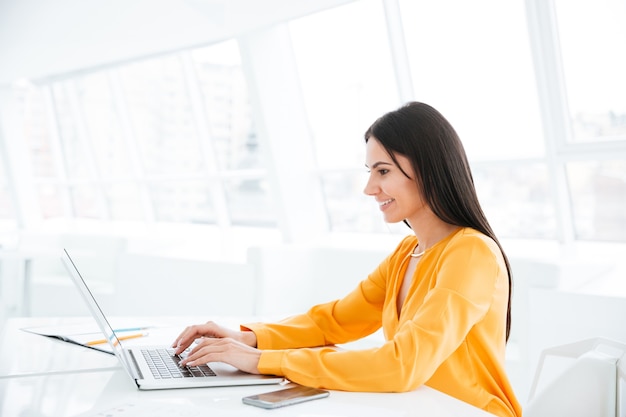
point(45, 377)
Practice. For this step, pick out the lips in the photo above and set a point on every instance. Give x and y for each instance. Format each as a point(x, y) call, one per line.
point(384, 203)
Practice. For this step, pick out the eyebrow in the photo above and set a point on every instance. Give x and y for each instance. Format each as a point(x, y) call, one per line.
point(378, 164)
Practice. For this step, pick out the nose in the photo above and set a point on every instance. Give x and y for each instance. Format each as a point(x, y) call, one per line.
point(370, 188)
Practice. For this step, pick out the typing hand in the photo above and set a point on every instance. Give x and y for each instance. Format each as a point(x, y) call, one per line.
point(224, 349)
point(210, 330)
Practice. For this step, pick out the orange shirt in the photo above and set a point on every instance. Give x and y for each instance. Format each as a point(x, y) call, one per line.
point(450, 334)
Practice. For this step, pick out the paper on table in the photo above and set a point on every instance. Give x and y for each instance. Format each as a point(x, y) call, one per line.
point(80, 334)
point(75, 334)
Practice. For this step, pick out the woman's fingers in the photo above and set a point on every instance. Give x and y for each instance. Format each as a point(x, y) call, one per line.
point(226, 350)
point(180, 343)
point(191, 333)
point(211, 330)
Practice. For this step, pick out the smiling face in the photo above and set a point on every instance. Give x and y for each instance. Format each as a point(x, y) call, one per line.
point(399, 197)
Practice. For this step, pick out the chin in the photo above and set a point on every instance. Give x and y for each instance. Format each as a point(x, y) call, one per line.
point(392, 220)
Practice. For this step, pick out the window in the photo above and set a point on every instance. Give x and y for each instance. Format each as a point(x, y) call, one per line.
point(517, 199)
point(483, 83)
point(347, 78)
point(161, 119)
point(592, 35)
point(593, 149)
point(347, 81)
point(598, 190)
point(172, 138)
point(476, 68)
point(168, 139)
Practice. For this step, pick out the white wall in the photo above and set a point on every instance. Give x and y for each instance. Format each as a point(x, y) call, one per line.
point(292, 278)
point(160, 286)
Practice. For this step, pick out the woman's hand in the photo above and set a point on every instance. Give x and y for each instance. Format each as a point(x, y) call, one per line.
point(219, 344)
point(211, 329)
point(225, 349)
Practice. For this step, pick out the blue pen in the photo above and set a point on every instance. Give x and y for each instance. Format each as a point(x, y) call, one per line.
point(130, 329)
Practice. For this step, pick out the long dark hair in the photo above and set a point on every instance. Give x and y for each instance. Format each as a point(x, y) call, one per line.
point(428, 140)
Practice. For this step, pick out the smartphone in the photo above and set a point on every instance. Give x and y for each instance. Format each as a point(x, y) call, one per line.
point(284, 397)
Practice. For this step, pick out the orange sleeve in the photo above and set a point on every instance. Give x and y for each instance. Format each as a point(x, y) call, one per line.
point(353, 317)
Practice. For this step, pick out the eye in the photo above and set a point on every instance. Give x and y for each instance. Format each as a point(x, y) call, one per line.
point(383, 171)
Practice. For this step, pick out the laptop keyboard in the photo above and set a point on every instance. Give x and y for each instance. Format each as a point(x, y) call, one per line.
point(164, 365)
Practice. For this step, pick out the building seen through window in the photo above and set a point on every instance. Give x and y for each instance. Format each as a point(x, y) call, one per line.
point(155, 140)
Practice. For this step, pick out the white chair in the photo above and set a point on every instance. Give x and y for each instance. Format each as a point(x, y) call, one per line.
point(592, 385)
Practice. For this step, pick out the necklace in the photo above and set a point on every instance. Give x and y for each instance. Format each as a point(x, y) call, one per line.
point(417, 255)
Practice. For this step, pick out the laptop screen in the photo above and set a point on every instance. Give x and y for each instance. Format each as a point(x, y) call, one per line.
point(96, 311)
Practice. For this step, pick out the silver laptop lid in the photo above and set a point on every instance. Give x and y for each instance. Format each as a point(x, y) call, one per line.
point(96, 312)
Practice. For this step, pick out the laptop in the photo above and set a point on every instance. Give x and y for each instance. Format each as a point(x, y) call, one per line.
point(156, 367)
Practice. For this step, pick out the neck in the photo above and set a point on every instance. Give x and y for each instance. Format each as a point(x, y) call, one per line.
point(429, 238)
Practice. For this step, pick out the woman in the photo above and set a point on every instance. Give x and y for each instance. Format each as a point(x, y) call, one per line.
point(442, 297)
